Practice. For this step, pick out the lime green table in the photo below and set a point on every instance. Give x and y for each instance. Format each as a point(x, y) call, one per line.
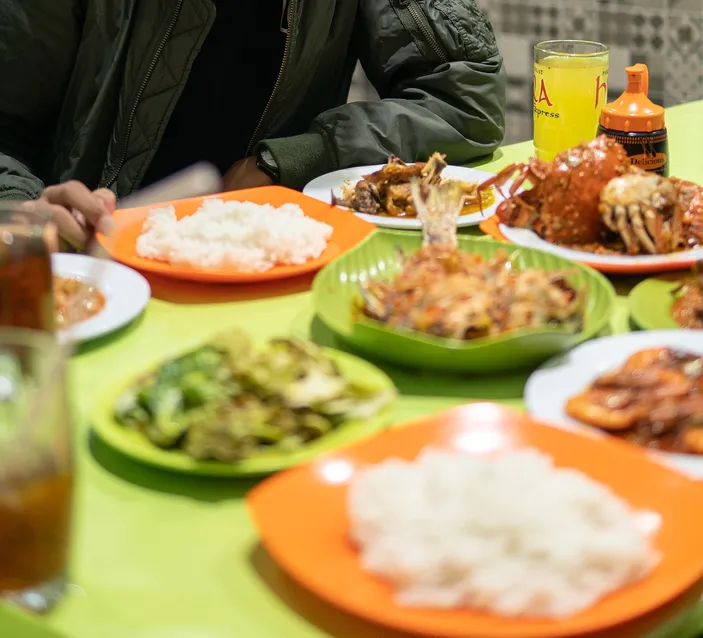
point(159, 555)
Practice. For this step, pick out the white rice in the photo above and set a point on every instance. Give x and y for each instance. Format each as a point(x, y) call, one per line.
point(511, 534)
point(240, 235)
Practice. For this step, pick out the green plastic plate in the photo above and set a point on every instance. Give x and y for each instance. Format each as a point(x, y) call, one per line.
point(135, 445)
point(337, 284)
point(15, 623)
point(650, 304)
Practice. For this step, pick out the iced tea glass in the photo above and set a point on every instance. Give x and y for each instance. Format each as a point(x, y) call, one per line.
point(36, 469)
point(27, 237)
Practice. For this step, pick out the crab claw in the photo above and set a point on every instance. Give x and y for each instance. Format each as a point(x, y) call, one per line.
point(438, 208)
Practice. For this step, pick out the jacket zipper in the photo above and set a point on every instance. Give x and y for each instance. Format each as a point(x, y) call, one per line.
point(130, 122)
point(284, 63)
point(413, 9)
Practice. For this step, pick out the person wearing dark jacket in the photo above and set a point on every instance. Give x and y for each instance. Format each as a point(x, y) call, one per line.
point(100, 97)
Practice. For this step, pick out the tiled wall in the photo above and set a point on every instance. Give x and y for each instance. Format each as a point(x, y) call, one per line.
point(667, 35)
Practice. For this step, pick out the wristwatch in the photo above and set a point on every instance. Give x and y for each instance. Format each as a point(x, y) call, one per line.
point(266, 163)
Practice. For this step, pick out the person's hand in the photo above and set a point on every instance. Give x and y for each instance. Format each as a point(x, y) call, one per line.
point(245, 174)
point(78, 212)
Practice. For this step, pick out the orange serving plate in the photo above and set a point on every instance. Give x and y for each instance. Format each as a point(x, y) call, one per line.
point(491, 227)
point(349, 230)
point(302, 521)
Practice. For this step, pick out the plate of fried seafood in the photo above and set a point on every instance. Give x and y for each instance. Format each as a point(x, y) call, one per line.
point(479, 522)
point(642, 387)
point(381, 194)
point(85, 309)
point(592, 206)
point(457, 303)
point(665, 304)
point(230, 408)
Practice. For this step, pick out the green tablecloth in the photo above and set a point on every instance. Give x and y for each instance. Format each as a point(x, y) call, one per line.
point(160, 555)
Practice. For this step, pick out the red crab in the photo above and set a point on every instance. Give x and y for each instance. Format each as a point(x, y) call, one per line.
point(562, 205)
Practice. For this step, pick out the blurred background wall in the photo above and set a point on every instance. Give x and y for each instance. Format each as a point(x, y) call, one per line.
point(667, 35)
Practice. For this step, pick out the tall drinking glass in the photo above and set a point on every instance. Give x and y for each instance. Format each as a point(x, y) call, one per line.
point(27, 237)
point(570, 89)
point(36, 468)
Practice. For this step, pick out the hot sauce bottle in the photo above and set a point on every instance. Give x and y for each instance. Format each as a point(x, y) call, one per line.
point(635, 122)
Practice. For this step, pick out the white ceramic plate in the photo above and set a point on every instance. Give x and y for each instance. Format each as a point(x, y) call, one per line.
point(549, 387)
point(524, 237)
point(322, 187)
point(126, 294)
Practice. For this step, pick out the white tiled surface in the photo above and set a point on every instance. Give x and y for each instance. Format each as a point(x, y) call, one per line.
point(513, 48)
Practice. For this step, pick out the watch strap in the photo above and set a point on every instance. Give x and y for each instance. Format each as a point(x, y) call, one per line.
point(266, 163)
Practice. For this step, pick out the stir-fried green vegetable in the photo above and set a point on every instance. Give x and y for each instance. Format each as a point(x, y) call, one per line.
point(227, 401)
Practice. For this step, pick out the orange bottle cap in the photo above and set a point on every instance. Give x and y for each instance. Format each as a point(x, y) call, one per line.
point(633, 111)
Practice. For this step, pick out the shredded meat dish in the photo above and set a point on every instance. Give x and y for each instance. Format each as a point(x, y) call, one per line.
point(445, 292)
point(654, 400)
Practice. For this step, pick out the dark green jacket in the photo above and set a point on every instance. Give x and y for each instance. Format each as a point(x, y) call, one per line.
point(87, 86)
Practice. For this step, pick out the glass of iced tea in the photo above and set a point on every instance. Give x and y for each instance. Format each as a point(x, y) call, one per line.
point(27, 237)
point(36, 468)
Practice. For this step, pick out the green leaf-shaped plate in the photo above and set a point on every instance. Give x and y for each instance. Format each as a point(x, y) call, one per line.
point(337, 285)
point(135, 445)
point(651, 302)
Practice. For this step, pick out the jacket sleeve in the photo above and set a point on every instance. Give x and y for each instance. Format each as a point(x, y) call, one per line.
point(440, 76)
point(38, 42)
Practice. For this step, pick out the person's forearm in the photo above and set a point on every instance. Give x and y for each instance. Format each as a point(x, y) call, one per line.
point(414, 122)
point(458, 109)
point(300, 158)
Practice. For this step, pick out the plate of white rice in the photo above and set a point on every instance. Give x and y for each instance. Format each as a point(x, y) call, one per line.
point(511, 534)
point(260, 234)
point(479, 522)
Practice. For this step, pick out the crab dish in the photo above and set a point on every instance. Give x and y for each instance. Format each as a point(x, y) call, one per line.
point(387, 191)
point(591, 198)
point(444, 292)
point(655, 400)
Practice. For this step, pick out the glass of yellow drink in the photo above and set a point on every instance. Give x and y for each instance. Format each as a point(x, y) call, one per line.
point(570, 89)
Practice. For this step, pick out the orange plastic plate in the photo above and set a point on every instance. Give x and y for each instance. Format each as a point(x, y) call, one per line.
point(349, 230)
point(302, 521)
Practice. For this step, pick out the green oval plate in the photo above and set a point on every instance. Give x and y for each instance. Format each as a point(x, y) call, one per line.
point(136, 446)
point(650, 304)
point(337, 284)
